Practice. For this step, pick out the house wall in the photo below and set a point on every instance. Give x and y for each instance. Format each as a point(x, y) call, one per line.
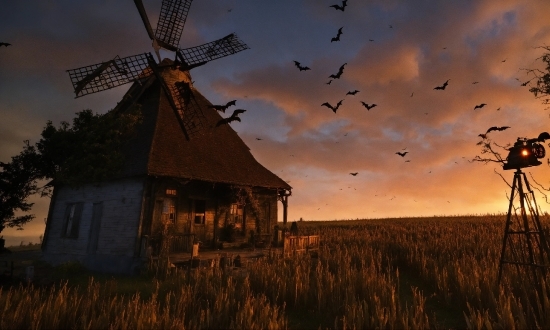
point(218, 198)
point(116, 233)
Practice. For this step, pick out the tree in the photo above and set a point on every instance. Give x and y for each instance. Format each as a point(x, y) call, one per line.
point(541, 87)
point(89, 150)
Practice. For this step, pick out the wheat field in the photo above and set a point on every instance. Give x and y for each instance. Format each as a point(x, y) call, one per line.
point(414, 273)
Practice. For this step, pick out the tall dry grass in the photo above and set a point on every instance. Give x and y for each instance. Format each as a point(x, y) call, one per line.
point(391, 274)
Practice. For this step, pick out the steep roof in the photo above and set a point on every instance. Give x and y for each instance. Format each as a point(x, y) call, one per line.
point(213, 154)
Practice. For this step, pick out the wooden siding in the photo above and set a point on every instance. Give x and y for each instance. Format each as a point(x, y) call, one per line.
point(119, 221)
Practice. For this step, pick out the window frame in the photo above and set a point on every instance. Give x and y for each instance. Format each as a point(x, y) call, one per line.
point(199, 215)
point(71, 220)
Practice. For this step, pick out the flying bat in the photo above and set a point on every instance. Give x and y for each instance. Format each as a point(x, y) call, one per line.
point(367, 105)
point(402, 154)
point(299, 66)
point(342, 7)
point(354, 173)
point(234, 116)
point(223, 107)
point(329, 82)
point(352, 92)
point(5, 44)
point(333, 108)
point(340, 71)
point(479, 106)
point(442, 87)
point(495, 128)
point(337, 38)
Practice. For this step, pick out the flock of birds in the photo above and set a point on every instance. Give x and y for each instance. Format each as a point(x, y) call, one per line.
point(336, 107)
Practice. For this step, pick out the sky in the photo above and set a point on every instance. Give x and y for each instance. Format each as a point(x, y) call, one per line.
point(396, 52)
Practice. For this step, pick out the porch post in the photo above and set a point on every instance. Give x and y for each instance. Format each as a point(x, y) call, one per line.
point(285, 210)
point(283, 197)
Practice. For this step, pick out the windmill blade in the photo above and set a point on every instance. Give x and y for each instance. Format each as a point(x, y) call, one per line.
point(173, 14)
point(199, 55)
point(188, 108)
point(144, 18)
point(102, 76)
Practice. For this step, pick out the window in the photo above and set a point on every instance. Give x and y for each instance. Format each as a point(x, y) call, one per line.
point(236, 212)
point(171, 192)
point(200, 212)
point(71, 223)
point(169, 209)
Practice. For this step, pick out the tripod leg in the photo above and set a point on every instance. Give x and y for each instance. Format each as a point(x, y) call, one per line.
point(507, 228)
point(542, 243)
point(523, 199)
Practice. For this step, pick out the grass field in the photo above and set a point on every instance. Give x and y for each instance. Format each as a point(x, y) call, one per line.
point(391, 273)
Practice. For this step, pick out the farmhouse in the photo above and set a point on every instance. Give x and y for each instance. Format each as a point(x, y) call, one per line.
point(197, 182)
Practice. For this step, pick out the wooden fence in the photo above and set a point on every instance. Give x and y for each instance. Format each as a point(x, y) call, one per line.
point(294, 245)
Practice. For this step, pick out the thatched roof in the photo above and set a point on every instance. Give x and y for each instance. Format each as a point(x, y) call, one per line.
point(214, 154)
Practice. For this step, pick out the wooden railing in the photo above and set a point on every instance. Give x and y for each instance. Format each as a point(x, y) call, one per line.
point(300, 244)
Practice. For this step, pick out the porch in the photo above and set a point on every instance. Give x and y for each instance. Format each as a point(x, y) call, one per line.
point(183, 251)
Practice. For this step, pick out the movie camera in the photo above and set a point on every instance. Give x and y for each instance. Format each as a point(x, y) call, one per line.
point(526, 152)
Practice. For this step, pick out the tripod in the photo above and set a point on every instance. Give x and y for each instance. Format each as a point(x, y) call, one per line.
point(524, 244)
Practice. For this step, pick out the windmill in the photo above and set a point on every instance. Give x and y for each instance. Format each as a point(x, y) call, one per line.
point(138, 68)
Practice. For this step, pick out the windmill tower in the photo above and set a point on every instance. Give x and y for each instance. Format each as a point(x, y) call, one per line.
point(138, 68)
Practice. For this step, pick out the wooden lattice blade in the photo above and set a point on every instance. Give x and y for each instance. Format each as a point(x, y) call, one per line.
point(187, 107)
point(102, 76)
point(202, 54)
point(173, 14)
point(144, 18)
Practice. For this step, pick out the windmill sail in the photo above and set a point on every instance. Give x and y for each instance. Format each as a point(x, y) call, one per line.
point(188, 108)
point(173, 15)
point(102, 76)
point(202, 54)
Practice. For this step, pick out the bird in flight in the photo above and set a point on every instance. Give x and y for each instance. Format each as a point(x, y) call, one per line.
point(299, 66)
point(234, 116)
point(333, 108)
point(442, 87)
point(5, 44)
point(354, 173)
point(337, 38)
point(352, 92)
point(340, 71)
point(329, 82)
point(479, 106)
point(402, 154)
point(495, 128)
point(259, 139)
point(342, 7)
point(368, 106)
point(475, 82)
point(223, 107)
